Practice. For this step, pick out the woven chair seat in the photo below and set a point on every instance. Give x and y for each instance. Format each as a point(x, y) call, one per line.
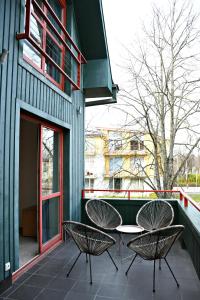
point(88, 239)
point(103, 214)
point(155, 244)
point(155, 214)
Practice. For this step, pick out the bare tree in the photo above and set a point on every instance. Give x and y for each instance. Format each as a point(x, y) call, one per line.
point(162, 97)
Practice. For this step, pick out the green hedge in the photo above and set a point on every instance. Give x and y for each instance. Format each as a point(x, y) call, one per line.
point(192, 180)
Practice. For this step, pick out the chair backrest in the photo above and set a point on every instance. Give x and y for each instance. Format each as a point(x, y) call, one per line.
point(155, 214)
point(103, 214)
point(156, 244)
point(88, 239)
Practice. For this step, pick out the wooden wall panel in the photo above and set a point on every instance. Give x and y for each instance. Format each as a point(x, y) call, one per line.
point(20, 82)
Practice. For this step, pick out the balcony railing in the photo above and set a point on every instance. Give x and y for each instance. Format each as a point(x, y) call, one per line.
point(182, 196)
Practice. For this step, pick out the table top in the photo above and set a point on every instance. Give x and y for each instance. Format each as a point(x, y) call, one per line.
point(130, 228)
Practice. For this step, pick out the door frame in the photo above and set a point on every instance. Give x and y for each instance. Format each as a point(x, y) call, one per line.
point(43, 123)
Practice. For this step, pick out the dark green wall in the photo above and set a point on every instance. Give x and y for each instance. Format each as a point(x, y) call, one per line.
point(22, 87)
point(190, 218)
point(128, 210)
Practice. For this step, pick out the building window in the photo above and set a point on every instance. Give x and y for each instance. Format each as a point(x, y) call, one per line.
point(48, 45)
point(89, 183)
point(137, 184)
point(136, 145)
point(115, 145)
point(90, 146)
point(115, 183)
point(137, 165)
point(115, 140)
point(89, 165)
point(115, 164)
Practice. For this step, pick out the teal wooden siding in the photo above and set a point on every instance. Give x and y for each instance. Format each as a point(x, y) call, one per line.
point(22, 87)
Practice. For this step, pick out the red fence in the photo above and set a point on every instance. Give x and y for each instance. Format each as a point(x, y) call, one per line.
point(182, 195)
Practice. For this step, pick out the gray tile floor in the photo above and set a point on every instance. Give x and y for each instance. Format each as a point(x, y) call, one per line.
point(47, 279)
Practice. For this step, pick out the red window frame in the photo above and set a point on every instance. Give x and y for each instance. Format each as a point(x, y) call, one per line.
point(66, 43)
point(46, 246)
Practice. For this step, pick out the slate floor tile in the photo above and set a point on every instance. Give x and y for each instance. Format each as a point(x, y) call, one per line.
point(111, 290)
point(48, 294)
point(84, 287)
point(72, 295)
point(25, 292)
point(38, 280)
point(61, 284)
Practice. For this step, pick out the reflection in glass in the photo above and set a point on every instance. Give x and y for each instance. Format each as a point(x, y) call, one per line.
point(36, 33)
point(50, 217)
point(50, 162)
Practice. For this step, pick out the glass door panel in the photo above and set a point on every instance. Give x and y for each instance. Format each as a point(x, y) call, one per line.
point(50, 219)
point(50, 162)
point(50, 186)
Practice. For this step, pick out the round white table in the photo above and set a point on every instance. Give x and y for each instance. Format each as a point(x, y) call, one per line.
point(127, 229)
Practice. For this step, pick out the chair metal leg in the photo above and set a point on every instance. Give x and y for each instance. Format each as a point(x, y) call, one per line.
point(73, 264)
point(160, 264)
point(131, 264)
point(90, 269)
point(86, 257)
point(154, 263)
point(171, 272)
point(112, 260)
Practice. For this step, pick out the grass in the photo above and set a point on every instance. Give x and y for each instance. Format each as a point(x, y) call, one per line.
point(195, 197)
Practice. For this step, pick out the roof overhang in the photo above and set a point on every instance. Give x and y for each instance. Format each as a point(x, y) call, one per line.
point(98, 80)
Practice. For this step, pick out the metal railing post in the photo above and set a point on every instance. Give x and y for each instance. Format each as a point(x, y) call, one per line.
point(185, 201)
point(181, 196)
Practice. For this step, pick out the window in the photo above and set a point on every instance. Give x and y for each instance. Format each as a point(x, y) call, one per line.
point(115, 145)
point(115, 164)
point(89, 165)
point(48, 45)
point(137, 165)
point(136, 184)
point(89, 183)
point(90, 146)
point(115, 183)
point(115, 140)
point(136, 145)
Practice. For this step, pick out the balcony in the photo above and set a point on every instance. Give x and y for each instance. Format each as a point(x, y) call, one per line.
point(47, 279)
point(124, 152)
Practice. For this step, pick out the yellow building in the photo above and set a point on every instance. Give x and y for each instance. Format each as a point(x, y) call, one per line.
point(118, 159)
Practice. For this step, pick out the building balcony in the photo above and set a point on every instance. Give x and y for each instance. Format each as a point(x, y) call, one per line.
point(125, 174)
point(91, 152)
point(47, 279)
point(124, 152)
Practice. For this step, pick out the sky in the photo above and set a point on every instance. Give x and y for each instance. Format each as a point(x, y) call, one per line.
point(123, 21)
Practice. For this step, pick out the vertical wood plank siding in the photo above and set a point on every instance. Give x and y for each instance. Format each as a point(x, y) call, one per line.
point(17, 82)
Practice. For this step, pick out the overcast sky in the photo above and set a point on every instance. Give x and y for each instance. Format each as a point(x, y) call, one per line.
point(123, 20)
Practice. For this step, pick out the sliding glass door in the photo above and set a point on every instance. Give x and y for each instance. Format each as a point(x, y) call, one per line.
point(50, 200)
